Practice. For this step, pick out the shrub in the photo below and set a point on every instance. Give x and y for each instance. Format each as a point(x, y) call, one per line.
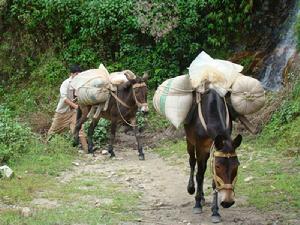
point(14, 136)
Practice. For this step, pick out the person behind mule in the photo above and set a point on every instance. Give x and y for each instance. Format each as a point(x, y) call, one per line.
point(65, 113)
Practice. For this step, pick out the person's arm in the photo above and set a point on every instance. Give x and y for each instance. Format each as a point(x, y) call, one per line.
point(64, 94)
point(70, 103)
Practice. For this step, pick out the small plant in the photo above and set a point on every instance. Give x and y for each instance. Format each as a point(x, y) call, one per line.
point(14, 136)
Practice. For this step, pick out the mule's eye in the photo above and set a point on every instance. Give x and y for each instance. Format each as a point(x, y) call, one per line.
point(218, 167)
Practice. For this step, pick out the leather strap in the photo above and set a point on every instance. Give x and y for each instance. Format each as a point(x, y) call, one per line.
point(119, 100)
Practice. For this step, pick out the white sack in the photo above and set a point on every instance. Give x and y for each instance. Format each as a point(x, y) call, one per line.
point(248, 95)
point(117, 78)
point(173, 99)
point(220, 73)
point(92, 95)
point(91, 78)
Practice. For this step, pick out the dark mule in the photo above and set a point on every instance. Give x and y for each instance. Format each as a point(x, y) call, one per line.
point(122, 107)
point(209, 133)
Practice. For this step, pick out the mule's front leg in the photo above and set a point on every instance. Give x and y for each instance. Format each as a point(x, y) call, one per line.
point(192, 161)
point(113, 129)
point(201, 162)
point(215, 217)
point(138, 139)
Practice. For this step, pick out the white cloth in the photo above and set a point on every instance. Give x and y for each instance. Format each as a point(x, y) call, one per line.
point(65, 92)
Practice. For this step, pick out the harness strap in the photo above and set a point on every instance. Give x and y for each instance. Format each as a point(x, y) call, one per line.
point(119, 100)
point(139, 85)
point(202, 120)
point(220, 184)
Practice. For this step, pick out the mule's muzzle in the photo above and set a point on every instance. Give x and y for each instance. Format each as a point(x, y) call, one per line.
point(227, 198)
point(227, 204)
point(145, 109)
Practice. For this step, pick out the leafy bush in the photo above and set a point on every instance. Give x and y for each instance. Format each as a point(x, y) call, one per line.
point(14, 137)
point(101, 131)
point(161, 37)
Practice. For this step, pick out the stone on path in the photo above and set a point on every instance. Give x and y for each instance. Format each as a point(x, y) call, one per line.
point(6, 172)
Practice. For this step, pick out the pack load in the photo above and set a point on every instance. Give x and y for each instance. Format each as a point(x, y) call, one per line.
point(117, 78)
point(247, 93)
point(221, 74)
point(92, 86)
point(173, 99)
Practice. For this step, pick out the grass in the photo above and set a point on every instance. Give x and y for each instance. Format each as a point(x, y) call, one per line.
point(77, 204)
point(36, 177)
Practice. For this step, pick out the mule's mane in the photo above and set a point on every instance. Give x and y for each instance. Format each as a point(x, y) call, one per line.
point(214, 113)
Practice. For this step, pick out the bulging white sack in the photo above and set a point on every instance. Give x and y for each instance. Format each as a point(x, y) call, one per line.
point(92, 86)
point(220, 73)
point(117, 78)
point(92, 95)
point(173, 99)
point(247, 95)
point(91, 78)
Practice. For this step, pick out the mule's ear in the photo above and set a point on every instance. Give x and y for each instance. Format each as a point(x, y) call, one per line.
point(219, 142)
point(145, 77)
point(237, 141)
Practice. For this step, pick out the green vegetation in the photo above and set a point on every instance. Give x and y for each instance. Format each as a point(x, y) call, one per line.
point(161, 38)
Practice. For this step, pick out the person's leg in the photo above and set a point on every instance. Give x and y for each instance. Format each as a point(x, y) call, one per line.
point(59, 124)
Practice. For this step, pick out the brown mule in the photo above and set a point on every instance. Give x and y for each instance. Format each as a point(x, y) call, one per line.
point(122, 107)
point(208, 133)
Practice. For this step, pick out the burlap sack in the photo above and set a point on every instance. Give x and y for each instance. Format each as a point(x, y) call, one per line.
point(91, 78)
point(173, 99)
point(117, 78)
point(248, 95)
point(92, 95)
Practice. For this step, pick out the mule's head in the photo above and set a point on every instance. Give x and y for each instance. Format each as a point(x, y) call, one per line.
point(225, 167)
point(139, 90)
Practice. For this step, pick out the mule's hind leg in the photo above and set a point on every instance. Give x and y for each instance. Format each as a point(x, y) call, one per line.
point(90, 135)
point(81, 117)
point(77, 127)
point(138, 139)
point(192, 161)
point(113, 128)
point(202, 157)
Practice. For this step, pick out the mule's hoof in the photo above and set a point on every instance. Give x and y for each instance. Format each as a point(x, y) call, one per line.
point(216, 219)
point(202, 201)
point(75, 143)
point(142, 157)
point(197, 210)
point(112, 156)
point(191, 189)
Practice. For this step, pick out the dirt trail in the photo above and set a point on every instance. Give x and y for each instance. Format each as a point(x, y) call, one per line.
point(165, 199)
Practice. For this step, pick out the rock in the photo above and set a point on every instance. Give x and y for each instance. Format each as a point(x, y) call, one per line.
point(104, 152)
point(247, 179)
point(6, 172)
point(26, 212)
point(75, 163)
point(129, 179)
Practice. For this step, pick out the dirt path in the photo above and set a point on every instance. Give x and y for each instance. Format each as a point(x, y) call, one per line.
point(164, 199)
